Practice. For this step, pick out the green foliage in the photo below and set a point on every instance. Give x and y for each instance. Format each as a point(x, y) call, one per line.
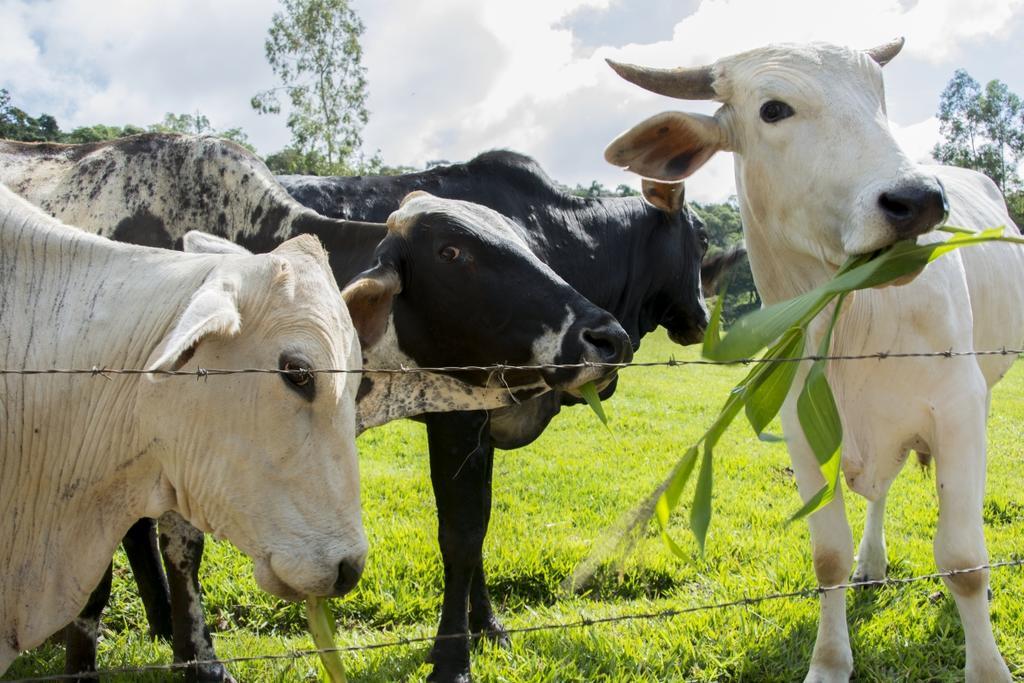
point(982, 129)
point(320, 622)
point(313, 48)
point(597, 189)
point(15, 124)
point(589, 393)
point(98, 133)
point(199, 124)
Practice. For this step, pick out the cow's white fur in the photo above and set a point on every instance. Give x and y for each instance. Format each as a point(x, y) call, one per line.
point(808, 189)
point(82, 458)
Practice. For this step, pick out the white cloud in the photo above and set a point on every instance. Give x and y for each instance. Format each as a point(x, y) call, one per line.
point(121, 62)
point(541, 98)
point(451, 78)
point(918, 139)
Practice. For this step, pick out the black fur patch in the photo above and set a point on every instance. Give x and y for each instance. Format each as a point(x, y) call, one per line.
point(145, 229)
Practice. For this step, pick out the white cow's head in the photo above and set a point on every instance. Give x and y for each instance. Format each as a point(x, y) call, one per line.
point(267, 461)
point(817, 168)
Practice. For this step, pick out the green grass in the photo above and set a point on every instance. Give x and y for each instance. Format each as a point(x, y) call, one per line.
point(553, 499)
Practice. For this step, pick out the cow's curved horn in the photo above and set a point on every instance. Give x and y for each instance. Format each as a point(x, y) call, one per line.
point(883, 54)
point(682, 83)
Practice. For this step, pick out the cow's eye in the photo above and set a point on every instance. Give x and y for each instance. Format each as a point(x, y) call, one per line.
point(298, 377)
point(449, 253)
point(773, 110)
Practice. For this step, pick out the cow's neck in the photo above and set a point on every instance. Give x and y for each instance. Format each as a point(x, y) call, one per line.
point(781, 271)
point(384, 397)
point(75, 474)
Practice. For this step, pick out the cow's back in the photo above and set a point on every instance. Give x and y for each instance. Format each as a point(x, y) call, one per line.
point(994, 272)
point(151, 189)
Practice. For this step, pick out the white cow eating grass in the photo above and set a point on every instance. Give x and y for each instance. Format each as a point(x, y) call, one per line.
point(267, 461)
point(820, 178)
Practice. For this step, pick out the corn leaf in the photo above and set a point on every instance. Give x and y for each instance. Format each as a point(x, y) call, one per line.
point(321, 627)
point(700, 511)
point(670, 497)
point(764, 398)
point(756, 330)
point(589, 393)
point(713, 333)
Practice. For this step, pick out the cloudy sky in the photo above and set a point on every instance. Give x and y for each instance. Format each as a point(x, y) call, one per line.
point(451, 78)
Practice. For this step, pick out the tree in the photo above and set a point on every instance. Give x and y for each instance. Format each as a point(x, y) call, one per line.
point(983, 129)
point(725, 231)
point(597, 189)
point(15, 124)
point(313, 48)
point(199, 124)
point(99, 133)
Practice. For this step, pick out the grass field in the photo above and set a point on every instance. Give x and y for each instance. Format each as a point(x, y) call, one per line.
point(553, 499)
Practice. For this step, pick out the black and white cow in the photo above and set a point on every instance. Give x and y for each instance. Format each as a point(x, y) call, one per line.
point(443, 283)
point(641, 261)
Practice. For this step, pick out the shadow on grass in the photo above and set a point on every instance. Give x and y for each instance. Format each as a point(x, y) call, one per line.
point(937, 650)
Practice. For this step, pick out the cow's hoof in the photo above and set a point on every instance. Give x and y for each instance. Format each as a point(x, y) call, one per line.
point(830, 666)
point(870, 571)
point(872, 563)
point(450, 674)
point(866, 578)
point(493, 633)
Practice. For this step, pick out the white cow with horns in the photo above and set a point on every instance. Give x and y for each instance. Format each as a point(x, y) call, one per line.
point(82, 458)
point(820, 178)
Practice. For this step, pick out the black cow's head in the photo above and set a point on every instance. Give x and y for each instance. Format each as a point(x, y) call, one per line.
point(683, 273)
point(460, 287)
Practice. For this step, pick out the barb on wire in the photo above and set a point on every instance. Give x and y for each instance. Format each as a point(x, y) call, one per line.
point(102, 371)
point(582, 622)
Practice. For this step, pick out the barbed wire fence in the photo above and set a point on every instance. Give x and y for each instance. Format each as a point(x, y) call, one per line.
point(499, 368)
point(200, 373)
point(582, 623)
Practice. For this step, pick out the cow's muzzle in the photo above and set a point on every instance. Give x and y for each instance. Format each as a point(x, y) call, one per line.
point(913, 210)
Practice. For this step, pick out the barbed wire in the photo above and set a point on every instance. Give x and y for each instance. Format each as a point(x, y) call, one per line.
point(103, 371)
point(584, 622)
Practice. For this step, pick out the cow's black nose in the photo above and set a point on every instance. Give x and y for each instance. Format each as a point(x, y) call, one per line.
point(348, 576)
point(607, 344)
point(914, 209)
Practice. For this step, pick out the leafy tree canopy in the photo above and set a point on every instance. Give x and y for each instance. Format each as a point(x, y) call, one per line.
point(983, 129)
point(313, 48)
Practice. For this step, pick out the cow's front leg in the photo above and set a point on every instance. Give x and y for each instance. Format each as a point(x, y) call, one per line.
point(482, 620)
point(182, 547)
point(872, 561)
point(460, 470)
point(81, 634)
point(832, 550)
point(959, 538)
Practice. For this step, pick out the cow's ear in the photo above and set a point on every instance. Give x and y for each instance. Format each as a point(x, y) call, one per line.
point(369, 298)
point(211, 311)
point(198, 242)
point(669, 197)
point(669, 146)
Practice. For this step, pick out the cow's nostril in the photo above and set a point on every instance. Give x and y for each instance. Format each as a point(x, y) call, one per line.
point(348, 576)
point(914, 209)
point(894, 207)
point(606, 344)
point(601, 342)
